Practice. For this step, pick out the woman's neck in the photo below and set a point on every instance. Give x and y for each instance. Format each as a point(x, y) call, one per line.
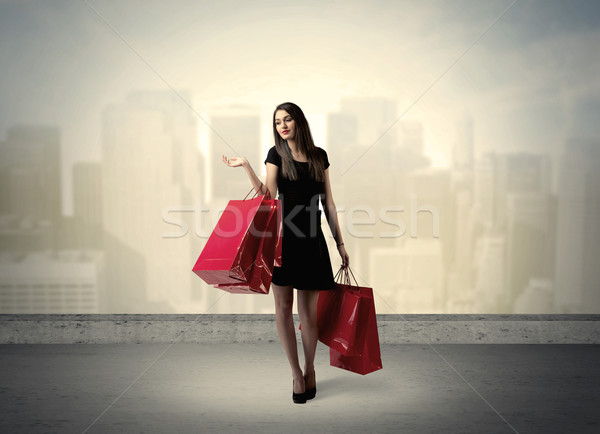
point(295, 152)
point(296, 155)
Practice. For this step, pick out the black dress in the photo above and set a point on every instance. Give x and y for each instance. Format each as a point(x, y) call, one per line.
point(305, 262)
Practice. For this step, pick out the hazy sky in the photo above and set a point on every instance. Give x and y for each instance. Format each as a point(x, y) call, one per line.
point(529, 82)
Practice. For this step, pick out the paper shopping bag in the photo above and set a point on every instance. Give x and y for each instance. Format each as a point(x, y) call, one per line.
point(342, 315)
point(262, 269)
point(229, 253)
point(369, 359)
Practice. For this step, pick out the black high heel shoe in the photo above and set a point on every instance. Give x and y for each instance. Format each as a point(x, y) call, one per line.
point(298, 398)
point(311, 393)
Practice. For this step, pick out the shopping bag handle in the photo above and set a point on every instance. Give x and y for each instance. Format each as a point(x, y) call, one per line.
point(343, 276)
point(256, 194)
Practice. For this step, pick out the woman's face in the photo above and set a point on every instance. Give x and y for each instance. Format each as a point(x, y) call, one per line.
point(286, 126)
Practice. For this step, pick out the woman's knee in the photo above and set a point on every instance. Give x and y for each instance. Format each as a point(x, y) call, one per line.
point(284, 306)
point(307, 316)
point(284, 299)
point(307, 305)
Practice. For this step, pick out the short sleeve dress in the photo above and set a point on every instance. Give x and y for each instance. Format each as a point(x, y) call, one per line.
point(305, 260)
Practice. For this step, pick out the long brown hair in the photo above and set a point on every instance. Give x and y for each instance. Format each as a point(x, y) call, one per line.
point(304, 144)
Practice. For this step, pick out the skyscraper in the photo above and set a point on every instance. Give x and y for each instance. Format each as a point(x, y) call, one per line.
point(30, 161)
point(489, 258)
point(149, 171)
point(529, 235)
point(86, 225)
point(519, 173)
point(578, 233)
point(485, 171)
point(87, 192)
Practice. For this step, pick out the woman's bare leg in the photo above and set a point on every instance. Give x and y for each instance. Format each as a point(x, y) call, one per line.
point(284, 301)
point(307, 310)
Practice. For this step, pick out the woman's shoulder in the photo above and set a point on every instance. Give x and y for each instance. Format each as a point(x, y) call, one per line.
point(323, 155)
point(273, 157)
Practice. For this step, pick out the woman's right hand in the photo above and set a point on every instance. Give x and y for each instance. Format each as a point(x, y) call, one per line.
point(235, 161)
point(344, 255)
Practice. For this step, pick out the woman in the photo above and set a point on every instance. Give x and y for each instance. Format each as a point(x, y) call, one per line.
point(298, 170)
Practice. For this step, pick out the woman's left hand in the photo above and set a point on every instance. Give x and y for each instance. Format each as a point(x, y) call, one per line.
point(344, 255)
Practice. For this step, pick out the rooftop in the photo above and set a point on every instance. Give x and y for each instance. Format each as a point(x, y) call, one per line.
point(246, 387)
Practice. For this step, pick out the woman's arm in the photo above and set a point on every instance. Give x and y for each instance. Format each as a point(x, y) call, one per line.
point(257, 184)
point(331, 216)
point(271, 181)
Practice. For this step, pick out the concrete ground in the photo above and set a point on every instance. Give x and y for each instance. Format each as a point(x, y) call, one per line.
point(235, 388)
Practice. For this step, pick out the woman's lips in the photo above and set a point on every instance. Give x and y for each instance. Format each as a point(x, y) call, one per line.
point(285, 131)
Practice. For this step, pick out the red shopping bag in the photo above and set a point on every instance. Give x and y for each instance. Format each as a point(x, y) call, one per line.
point(230, 250)
point(370, 358)
point(342, 314)
point(262, 269)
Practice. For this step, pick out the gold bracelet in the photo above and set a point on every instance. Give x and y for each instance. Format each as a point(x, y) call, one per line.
point(341, 244)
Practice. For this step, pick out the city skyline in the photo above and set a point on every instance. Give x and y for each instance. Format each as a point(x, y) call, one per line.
point(479, 236)
point(462, 136)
